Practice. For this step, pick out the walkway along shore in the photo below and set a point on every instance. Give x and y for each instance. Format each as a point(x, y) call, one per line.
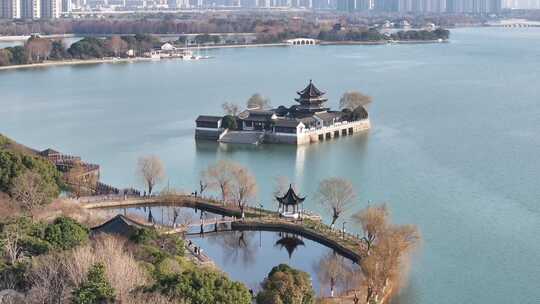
point(310, 226)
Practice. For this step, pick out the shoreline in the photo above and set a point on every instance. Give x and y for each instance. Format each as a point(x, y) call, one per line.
point(73, 62)
point(208, 47)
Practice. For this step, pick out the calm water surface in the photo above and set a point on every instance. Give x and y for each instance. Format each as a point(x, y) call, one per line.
point(247, 256)
point(454, 146)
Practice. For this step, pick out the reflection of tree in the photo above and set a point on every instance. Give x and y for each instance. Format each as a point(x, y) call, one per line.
point(290, 242)
point(237, 246)
point(337, 273)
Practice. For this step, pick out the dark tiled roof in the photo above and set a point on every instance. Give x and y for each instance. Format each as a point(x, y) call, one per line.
point(290, 198)
point(308, 120)
point(288, 123)
point(48, 152)
point(119, 225)
point(328, 116)
point(207, 118)
point(310, 91)
point(259, 115)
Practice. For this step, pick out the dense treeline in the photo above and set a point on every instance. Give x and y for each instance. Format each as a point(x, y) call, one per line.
point(36, 49)
point(19, 167)
point(374, 35)
point(421, 35)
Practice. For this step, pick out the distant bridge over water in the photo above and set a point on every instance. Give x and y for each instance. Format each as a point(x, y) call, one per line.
point(515, 23)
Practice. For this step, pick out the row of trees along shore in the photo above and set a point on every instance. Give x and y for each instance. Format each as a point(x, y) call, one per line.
point(37, 50)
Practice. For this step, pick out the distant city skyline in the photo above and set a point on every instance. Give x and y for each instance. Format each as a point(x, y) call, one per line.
point(51, 9)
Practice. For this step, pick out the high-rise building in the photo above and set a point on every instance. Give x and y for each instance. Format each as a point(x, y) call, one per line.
point(66, 6)
point(10, 9)
point(51, 9)
point(474, 6)
point(31, 9)
point(386, 5)
point(346, 5)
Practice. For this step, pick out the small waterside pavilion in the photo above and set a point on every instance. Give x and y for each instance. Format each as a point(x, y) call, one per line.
point(290, 200)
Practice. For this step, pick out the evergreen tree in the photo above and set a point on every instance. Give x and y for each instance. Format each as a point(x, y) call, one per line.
point(96, 289)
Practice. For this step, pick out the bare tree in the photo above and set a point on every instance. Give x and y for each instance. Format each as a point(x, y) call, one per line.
point(30, 190)
point(244, 187)
point(38, 49)
point(336, 195)
point(390, 246)
point(219, 176)
point(117, 45)
point(337, 272)
point(230, 108)
point(48, 278)
point(374, 222)
point(12, 246)
point(202, 186)
point(257, 101)
point(151, 171)
point(122, 270)
point(353, 99)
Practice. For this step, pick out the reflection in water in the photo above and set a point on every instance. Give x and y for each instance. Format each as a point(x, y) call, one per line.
point(237, 252)
point(337, 274)
point(238, 246)
point(290, 242)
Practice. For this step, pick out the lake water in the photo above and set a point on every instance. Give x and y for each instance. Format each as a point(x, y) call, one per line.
point(454, 146)
point(247, 256)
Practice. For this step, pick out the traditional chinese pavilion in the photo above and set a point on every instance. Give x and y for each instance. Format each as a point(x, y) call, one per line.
point(311, 99)
point(308, 121)
point(290, 200)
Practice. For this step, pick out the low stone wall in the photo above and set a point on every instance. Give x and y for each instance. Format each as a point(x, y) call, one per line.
point(334, 131)
point(207, 134)
point(319, 134)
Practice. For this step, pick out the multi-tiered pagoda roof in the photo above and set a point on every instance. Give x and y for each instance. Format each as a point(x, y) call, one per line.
point(311, 98)
point(290, 198)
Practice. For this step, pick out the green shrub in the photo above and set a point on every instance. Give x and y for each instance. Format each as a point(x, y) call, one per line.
point(14, 276)
point(286, 285)
point(199, 286)
point(167, 267)
point(96, 289)
point(66, 233)
point(14, 164)
point(144, 235)
point(229, 122)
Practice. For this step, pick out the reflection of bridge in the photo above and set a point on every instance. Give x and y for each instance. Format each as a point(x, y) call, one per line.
point(309, 226)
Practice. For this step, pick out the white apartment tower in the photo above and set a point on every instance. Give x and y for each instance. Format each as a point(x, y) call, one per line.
point(31, 9)
point(51, 9)
point(10, 9)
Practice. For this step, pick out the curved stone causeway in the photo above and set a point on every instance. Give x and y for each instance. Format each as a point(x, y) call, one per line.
point(256, 219)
